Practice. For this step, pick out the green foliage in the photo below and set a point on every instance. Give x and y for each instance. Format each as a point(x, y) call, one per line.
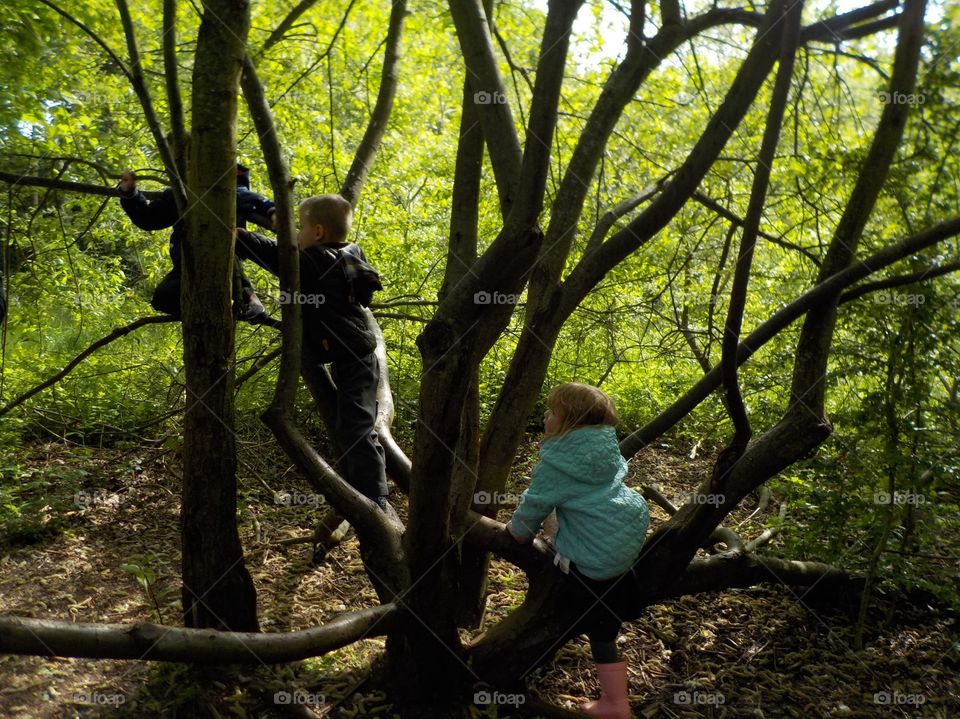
point(78, 268)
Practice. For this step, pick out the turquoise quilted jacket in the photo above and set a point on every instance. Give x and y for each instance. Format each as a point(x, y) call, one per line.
point(602, 522)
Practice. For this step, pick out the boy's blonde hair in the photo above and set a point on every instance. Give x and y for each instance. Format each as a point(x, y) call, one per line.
point(331, 211)
point(580, 405)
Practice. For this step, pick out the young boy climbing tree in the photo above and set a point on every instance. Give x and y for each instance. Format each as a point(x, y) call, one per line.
point(336, 282)
point(162, 212)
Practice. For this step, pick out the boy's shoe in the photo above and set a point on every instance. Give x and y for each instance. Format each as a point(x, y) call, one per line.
point(255, 313)
point(330, 531)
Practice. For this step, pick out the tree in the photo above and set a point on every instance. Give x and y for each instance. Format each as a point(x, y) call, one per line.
point(421, 576)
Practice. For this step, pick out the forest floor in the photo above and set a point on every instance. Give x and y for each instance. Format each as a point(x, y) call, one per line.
point(100, 543)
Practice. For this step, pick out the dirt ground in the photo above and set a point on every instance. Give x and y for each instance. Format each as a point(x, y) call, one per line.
point(113, 556)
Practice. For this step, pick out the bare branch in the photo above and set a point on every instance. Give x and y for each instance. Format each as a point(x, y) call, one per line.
point(809, 300)
point(496, 118)
point(367, 150)
point(741, 277)
point(69, 367)
point(277, 35)
point(48, 638)
point(143, 94)
point(899, 280)
point(81, 187)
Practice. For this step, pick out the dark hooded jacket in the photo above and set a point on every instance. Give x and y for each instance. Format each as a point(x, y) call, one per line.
point(335, 282)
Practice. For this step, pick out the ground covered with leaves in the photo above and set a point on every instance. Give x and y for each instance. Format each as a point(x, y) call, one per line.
point(92, 535)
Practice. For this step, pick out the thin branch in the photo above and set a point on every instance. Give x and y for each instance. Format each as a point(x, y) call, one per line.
point(372, 137)
point(809, 300)
point(741, 276)
point(170, 72)
point(56, 184)
point(102, 342)
point(143, 94)
point(899, 280)
point(285, 24)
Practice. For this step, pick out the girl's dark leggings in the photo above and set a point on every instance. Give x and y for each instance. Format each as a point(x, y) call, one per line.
point(603, 600)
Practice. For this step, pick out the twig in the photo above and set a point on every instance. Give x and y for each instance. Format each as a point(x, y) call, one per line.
point(102, 342)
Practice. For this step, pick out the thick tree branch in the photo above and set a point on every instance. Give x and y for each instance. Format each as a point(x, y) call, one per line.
point(496, 118)
point(47, 638)
point(379, 538)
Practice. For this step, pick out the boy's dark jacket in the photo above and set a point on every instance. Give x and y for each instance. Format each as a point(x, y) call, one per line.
point(162, 212)
point(334, 327)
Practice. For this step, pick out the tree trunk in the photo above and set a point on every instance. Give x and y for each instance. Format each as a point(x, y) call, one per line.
point(217, 589)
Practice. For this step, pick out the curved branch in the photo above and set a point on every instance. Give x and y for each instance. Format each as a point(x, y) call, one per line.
point(781, 319)
point(741, 277)
point(380, 540)
point(367, 150)
point(726, 214)
point(735, 569)
point(48, 638)
point(102, 342)
point(285, 24)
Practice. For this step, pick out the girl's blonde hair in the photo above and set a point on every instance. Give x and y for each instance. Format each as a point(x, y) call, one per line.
point(580, 405)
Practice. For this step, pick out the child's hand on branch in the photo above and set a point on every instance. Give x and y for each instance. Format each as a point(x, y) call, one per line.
point(128, 182)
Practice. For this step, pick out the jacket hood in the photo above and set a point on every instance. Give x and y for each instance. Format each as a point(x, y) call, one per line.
point(587, 454)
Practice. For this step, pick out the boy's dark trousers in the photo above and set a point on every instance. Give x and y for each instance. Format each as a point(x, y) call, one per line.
point(357, 379)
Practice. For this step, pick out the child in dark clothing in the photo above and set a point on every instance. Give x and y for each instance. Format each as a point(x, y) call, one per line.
point(162, 212)
point(335, 282)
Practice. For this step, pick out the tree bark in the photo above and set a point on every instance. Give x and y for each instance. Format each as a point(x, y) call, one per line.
point(217, 589)
point(47, 638)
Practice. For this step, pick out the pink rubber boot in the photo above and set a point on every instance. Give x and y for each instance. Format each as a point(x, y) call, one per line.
point(612, 703)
